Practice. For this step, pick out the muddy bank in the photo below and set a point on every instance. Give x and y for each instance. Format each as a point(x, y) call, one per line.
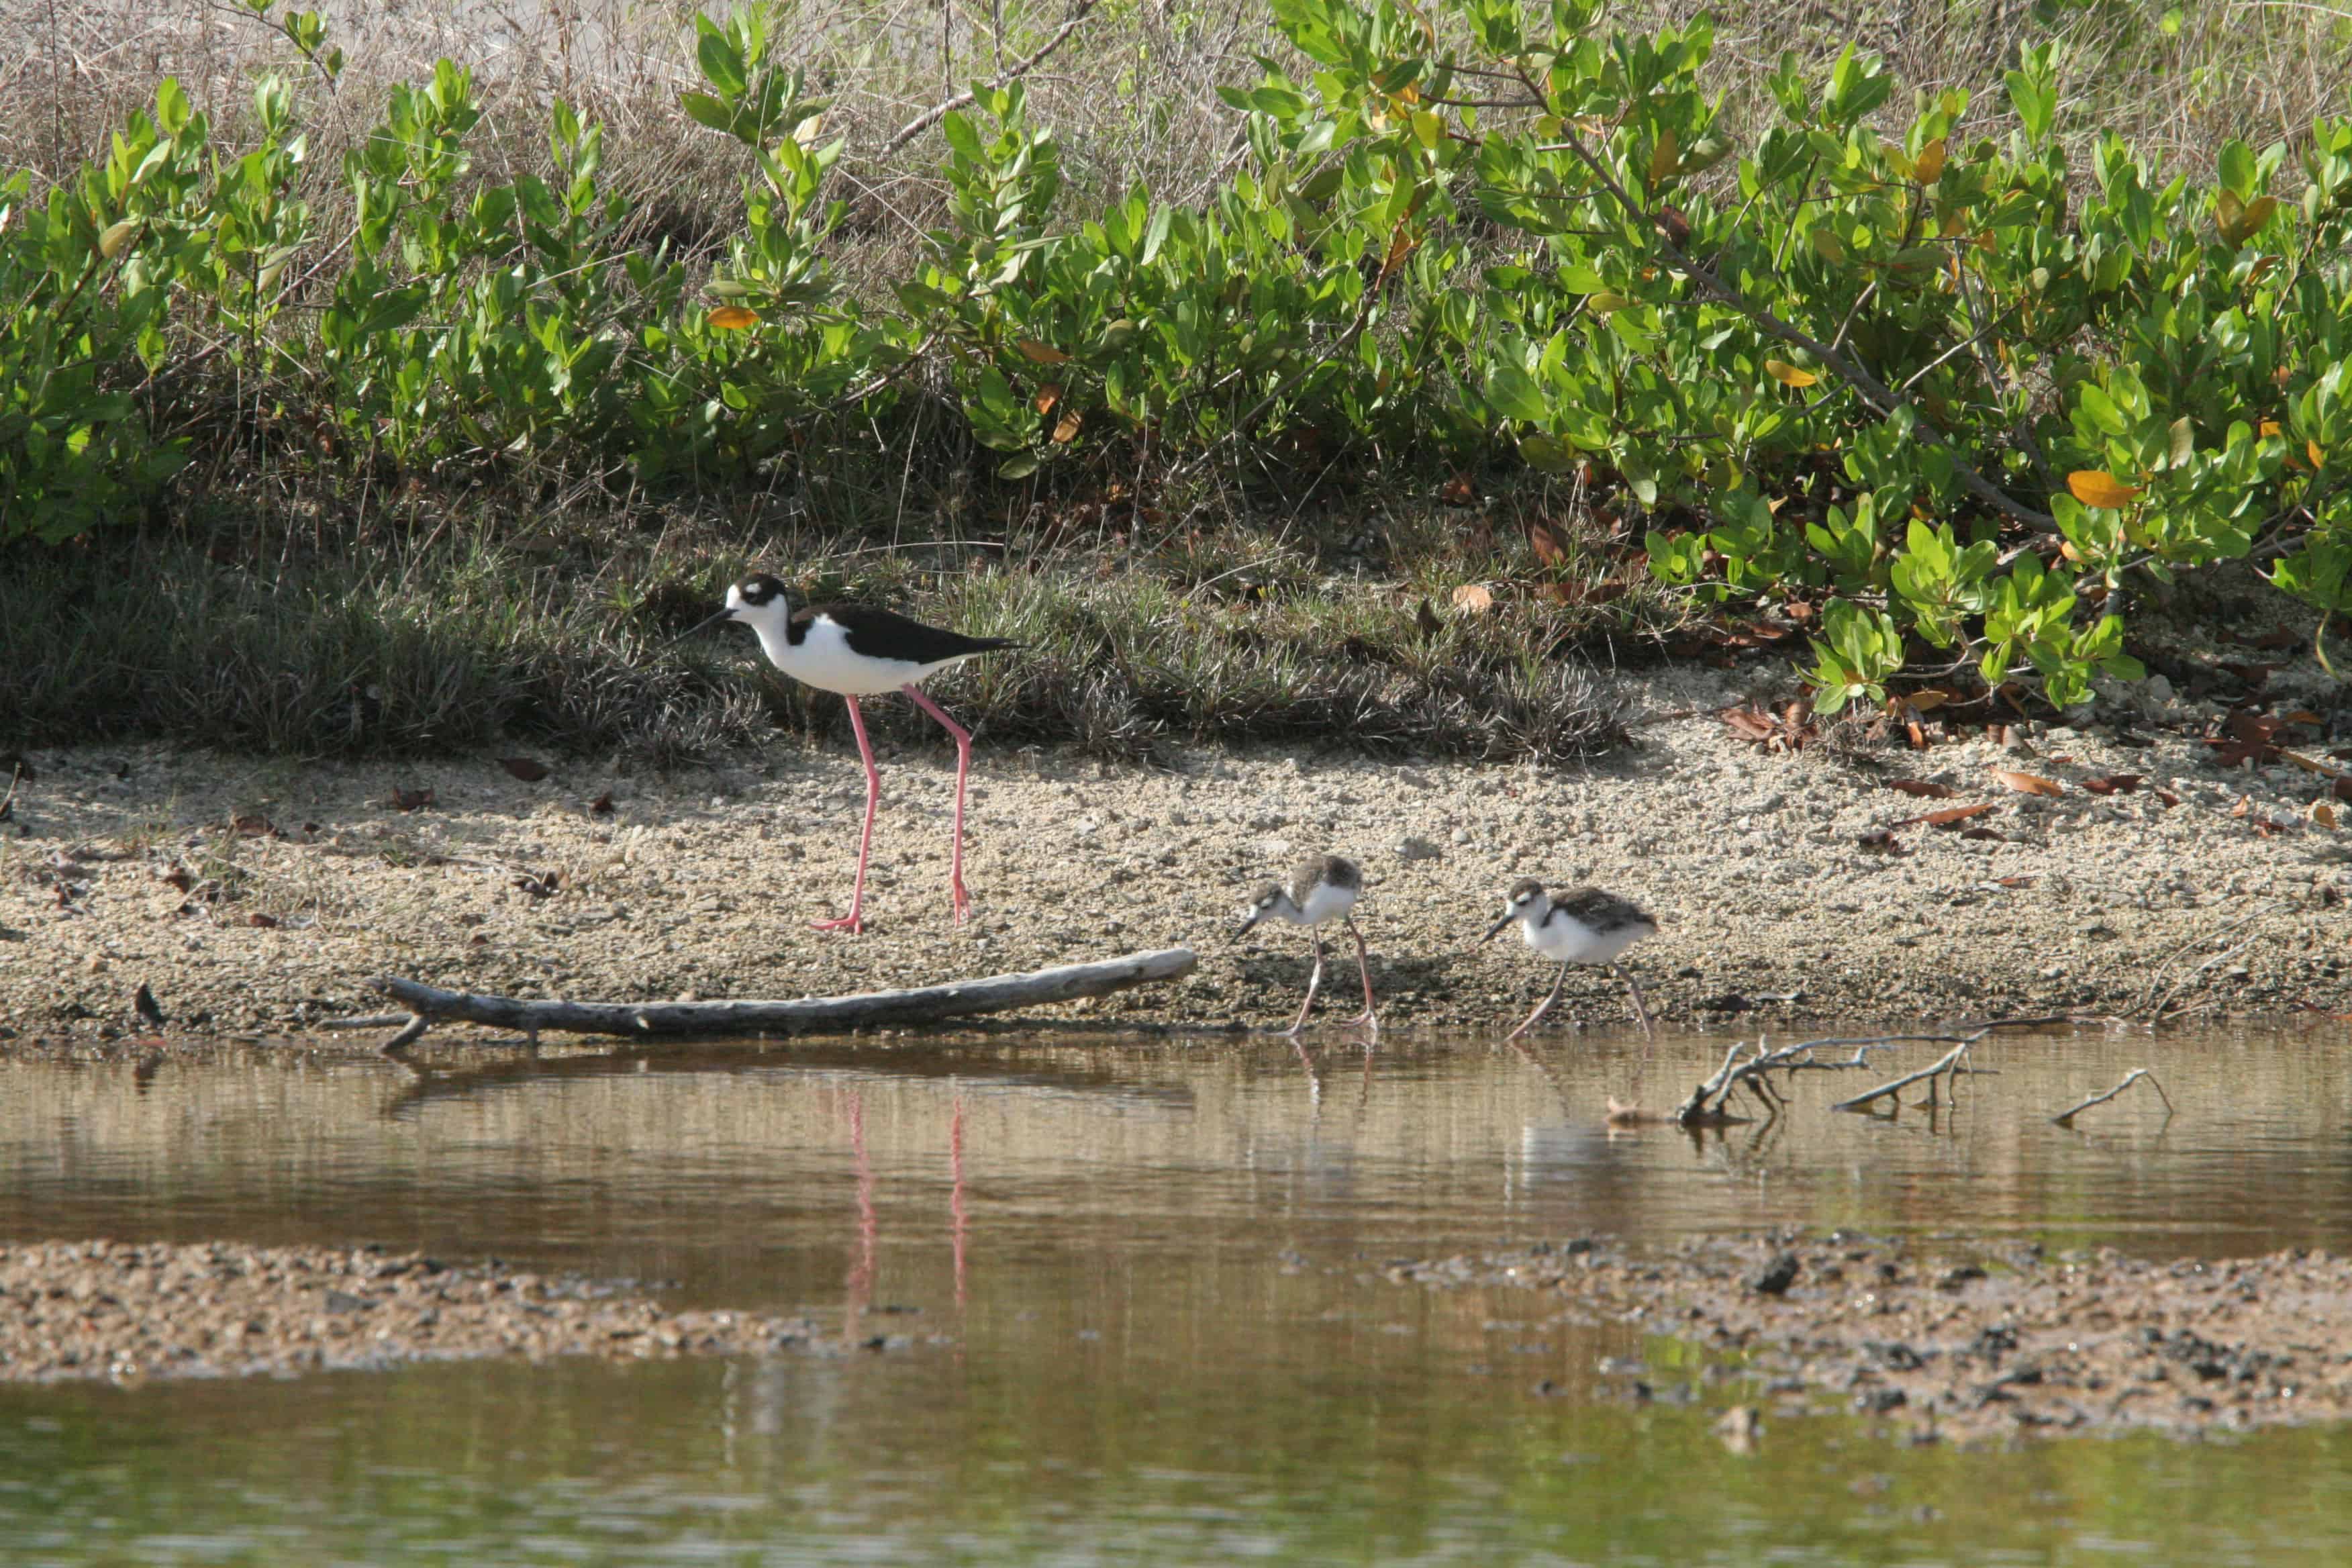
point(1966, 1341)
point(256, 898)
point(96, 1309)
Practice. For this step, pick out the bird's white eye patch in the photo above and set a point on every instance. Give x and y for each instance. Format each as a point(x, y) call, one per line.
point(1266, 903)
point(1522, 898)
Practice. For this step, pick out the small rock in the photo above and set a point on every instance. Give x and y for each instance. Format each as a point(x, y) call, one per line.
point(1411, 849)
point(1775, 1277)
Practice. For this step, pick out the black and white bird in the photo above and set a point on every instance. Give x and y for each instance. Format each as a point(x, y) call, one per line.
point(858, 651)
point(1584, 925)
point(1322, 888)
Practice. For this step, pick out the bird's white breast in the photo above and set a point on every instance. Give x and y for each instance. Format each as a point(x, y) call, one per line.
point(1326, 903)
point(823, 660)
point(1567, 940)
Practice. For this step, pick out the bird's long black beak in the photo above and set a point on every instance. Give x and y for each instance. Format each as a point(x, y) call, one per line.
point(700, 627)
point(1250, 921)
point(1507, 918)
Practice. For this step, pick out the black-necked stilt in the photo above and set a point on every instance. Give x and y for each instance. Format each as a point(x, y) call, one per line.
point(1584, 925)
point(860, 651)
point(1322, 888)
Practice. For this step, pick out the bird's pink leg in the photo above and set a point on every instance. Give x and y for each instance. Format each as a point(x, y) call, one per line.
point(853, 922)
point(963, 900)
point(1363, 967)
point(1541, 1007)
point(1313, 982)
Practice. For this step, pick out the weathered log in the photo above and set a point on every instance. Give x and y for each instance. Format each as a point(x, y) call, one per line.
point(638, 1020)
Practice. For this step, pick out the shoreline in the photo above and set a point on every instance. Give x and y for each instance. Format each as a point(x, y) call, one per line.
point(257, 896)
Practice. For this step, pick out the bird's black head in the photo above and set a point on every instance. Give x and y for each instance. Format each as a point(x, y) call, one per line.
point(1524, 891)
point(757, 590)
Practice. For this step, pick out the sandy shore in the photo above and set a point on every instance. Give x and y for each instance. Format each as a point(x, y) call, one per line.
point(256, 898)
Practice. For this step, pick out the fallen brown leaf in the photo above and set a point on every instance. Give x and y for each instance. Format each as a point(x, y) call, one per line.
point(2015, 881)
point(254, 826)
point(526, 769)
point(2029, 783)
point(412, 799)
point(2114, 784)
point(177, 877)
point(1883, 841)
point(1983, 834)
point(260, 920)
point(1948, 816)
point(1457, 491)
point(2167, 797)
point(601, 805)
point(1474, 599)
point(1548, 543)
point(1923, 788)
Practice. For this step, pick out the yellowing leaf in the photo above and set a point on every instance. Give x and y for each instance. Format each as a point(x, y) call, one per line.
point(1474, 599)
point(1664, 158)
point(1068, 429)
point(2322, 814)
point(807, 131)
point(2092, 487)
point(1042, 353)
point(1930, 167)
point(1828, 247)
point(1047, 396)
point(1604, 302)
point(2269, 427)
point(2311, 451)
point(117, 235)
point(734, 318)
point(1787, 375)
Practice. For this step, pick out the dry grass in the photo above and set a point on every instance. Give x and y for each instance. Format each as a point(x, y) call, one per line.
point(1132, 95)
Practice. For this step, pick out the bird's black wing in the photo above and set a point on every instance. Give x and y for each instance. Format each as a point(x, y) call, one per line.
point(885, 634)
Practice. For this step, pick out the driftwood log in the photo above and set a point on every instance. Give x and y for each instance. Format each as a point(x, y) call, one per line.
point(430, 1004)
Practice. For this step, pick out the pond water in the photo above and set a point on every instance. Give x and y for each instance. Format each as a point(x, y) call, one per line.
point(1157, 1268)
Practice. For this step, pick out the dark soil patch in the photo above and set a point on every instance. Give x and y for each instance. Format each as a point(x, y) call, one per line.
point(1974, 1342)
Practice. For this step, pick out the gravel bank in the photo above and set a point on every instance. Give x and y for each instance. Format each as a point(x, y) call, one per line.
point(256, 898)
point(95, 1308)
point(1968, 1345)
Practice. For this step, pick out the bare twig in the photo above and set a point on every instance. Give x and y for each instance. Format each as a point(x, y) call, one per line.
point(1951, 1060)
point(2066, 1118)
point(368, 1021)
point(8, 801)
point(410, 1033)
point(940, 111)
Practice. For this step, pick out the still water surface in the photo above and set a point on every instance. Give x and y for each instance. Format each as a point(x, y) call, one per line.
point(1157, 1268)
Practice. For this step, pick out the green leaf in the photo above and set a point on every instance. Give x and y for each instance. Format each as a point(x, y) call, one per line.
point(704, 109)
point(1514, 394)
point(1549, 453)
point(722, 61)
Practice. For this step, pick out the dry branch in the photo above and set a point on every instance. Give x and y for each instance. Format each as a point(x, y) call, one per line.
point(430, 1004)
point(940, 111)
point(2066, 1118)
point(1753, 1065)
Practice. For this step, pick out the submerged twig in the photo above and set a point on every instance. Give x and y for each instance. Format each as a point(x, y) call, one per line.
point(2066, 1118)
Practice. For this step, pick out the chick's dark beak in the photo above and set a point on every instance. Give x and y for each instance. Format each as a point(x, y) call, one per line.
point(1249, 923)
point(1508, 916)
